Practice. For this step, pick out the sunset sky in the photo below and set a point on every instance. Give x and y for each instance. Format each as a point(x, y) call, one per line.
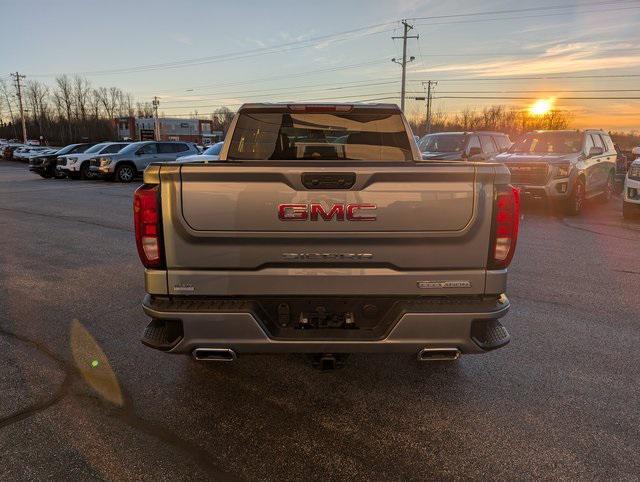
point(197, 56)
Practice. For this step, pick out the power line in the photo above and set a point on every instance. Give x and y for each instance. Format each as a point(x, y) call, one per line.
point(520, 17)
point(530, 98)
point(279, 91)
point(544, 77)
point(530, 91)
point(521, 10)
point(312, 89)
point(284, 76)
point(350, 97)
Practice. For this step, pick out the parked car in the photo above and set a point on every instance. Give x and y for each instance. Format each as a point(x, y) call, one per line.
point(565, 167)
point(212, 153)
point(125, 165)
point(9, 149)
point(631, 191)
point(458, 146)
point(45, 163)
point(76, 165)
point(23, 153)
point(332, 252)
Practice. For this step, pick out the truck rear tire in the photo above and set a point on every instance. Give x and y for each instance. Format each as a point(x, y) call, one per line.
point(575, 202)
point(609, 189)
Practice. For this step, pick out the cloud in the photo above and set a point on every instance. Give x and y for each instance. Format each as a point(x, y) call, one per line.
point(559, 58)
point(181, 39)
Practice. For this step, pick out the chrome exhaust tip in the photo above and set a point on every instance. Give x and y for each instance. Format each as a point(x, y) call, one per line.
point(438, 354)
point(214, 354)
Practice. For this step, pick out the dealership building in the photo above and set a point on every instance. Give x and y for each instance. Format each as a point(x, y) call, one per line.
point(170, 129)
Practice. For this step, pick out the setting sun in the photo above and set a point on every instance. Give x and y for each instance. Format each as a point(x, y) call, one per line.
point(541, 106)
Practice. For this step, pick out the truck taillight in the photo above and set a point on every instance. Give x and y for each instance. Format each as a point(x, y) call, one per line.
point(506, 219)
point(147, 220)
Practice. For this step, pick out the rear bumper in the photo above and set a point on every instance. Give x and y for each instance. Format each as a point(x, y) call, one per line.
point(469, 326)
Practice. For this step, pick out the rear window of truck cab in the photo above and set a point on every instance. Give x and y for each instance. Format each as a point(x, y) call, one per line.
point(317, 136)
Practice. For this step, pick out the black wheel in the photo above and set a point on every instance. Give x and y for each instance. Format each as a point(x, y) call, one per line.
point(124, 173)
point(609, 189)
point(45, 175)
point(628, 211)
point(86, 172)
point(575, 202)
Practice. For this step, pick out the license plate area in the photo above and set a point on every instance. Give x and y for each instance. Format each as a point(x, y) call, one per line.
point(327, 318)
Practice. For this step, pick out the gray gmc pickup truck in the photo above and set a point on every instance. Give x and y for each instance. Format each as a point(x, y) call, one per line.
point(321, 230)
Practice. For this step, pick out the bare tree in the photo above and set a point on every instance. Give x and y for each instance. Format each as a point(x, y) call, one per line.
point(64, 100)
point(82, 91)
point(126, 104)
point(109, 100)
point(144, 110)
point(94, 103)
point(222, 118)
point(36, 94)
point(7, 99)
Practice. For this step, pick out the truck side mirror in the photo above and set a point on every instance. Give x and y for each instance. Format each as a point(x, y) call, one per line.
point(596, 151)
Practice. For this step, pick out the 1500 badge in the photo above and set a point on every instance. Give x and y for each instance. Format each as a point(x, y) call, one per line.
point(330, 256)
point(431, 285)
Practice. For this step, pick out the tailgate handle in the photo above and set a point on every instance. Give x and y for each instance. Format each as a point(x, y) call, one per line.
point(328, 180)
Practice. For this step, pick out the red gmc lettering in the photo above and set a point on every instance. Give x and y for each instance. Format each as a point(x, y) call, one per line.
point(352, 208)
point(292, 212)
point(337, 210)
point(315, 211)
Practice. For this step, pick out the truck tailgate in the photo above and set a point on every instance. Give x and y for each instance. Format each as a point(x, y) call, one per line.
point(224, 233)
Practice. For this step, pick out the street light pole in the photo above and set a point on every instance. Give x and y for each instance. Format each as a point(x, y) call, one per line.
point(429, 84)
point(18, 78)
point(156, 123)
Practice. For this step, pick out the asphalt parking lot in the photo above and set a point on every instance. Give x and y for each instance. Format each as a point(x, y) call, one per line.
point(82, 398)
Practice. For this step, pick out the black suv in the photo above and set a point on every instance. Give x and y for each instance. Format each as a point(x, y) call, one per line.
point(458, 146)
point(45, 165)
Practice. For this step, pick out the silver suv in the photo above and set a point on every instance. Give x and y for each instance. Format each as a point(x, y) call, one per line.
point(565, 167)
point(133, 159)
point(463, 146)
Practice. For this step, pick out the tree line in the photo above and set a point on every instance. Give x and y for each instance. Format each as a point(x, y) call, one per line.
point(509, 120)
point(73, 110)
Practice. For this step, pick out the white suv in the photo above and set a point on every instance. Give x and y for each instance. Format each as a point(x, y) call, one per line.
point(76, 166)
point(631, 192)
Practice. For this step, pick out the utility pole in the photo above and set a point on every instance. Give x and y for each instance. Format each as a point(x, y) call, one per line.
point(156, 123)
point(404, 62)
point(429, 98)
point(17, 77)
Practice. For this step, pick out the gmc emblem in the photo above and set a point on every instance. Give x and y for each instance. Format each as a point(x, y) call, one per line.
point(315, 211)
